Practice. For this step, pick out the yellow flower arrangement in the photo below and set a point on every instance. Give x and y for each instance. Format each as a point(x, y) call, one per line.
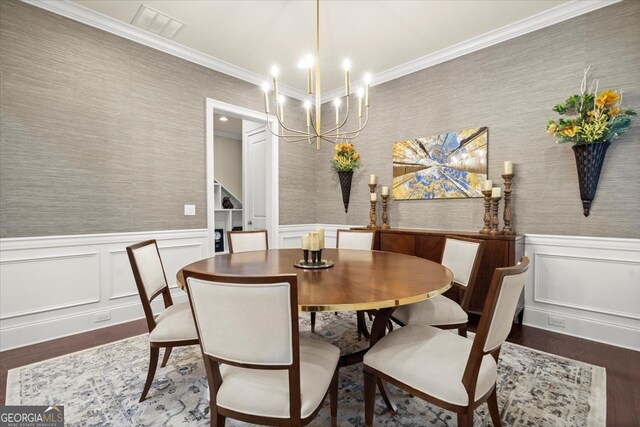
point(346, 158)
point(597, 118)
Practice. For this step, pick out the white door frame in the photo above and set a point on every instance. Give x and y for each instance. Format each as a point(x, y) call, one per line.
point(273, 218)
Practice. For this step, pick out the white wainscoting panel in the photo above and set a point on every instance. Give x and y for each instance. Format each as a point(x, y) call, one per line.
point(52, 287)
point(57, 286)
point(25, 282)
point(585, 286)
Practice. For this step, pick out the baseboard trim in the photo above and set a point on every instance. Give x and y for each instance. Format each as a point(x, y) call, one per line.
point(588, 329)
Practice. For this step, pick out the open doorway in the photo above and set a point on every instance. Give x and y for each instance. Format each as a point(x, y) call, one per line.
point(242, 174)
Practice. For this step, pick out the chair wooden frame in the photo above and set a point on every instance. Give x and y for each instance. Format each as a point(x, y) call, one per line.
point(212, 364)
point(466, 291)
point(230, 234)
point(470, 376)
point(361, 322)
point(154, 347)
point(373, 239)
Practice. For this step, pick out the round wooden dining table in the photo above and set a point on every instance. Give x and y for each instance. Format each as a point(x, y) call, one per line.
point(358, 280)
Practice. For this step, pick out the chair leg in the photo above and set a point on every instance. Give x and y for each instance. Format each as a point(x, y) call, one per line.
point(462, 331)
point(313, 321)
point(154, 354)
point(165, 358)
point(492, 402)
point(466, 419)
point(217, 420)
point(333, 399)
point(369, 397)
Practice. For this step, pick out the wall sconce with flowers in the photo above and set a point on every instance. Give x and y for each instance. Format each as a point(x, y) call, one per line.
point(345, 160)
point(592, 121)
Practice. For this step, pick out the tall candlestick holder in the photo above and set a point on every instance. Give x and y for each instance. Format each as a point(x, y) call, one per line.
point(385, 216)
point(372, 211)
point(507, 204)
point(487, 212)
point(495, 202)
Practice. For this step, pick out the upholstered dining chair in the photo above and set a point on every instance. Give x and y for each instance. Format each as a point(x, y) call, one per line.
point(462, 256)
point(443, 368)
point(352, 239)
point(173, 327)
point(259, 368)
point(245, 241)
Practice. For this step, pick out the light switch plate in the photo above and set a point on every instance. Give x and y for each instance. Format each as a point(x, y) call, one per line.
point(189, 209)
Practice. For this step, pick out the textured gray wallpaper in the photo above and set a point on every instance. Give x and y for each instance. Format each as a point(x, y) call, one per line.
point(511, 88)
point(100, 134)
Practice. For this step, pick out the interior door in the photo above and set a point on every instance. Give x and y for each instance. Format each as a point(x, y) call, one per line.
point(255, 144)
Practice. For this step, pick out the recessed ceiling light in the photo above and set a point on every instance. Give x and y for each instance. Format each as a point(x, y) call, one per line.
point(223, 119)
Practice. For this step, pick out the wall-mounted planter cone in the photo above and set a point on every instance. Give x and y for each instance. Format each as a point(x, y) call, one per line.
point(345, 185)
point(589, 161)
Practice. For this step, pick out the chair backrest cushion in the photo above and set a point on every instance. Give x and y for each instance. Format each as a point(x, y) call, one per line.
point(248, 241)
point(244, 323)
point(505, 309)
point(348, 239)
point(459, 256)
point(150, 268)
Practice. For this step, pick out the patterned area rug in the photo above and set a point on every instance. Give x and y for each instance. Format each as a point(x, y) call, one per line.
point(102, 385)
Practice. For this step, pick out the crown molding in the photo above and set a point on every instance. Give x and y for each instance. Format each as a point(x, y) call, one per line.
point(541, 20)
point(536, 22)
point(103, 22)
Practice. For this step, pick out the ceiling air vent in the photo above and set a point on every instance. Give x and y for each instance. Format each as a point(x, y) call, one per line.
point(157, 22)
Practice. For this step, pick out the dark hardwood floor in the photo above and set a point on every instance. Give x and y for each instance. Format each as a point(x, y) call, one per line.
point(623, 366)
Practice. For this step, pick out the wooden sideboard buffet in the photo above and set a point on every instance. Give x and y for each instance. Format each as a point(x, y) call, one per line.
point(499, 251)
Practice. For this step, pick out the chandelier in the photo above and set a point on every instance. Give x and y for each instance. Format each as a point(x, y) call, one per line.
point(314, 131)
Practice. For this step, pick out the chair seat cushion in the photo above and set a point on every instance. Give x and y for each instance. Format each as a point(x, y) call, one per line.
point(266, 392)
point(430, 360)
point(436, 311)
point(174, 324)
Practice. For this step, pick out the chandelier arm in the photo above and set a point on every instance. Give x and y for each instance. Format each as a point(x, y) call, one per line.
point(339, 126)
point(296, 139)
point(295, 131)
point(352, 133)
point(297, 134)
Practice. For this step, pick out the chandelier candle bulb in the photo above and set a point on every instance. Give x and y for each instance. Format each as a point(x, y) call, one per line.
point(488, 185)
point(385, 191)
point(508, 167)
point(496, 192)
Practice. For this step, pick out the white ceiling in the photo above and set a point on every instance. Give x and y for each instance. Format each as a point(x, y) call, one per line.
point(376, 35)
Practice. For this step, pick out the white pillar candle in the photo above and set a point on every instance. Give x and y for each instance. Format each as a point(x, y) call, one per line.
point(314, 242)
point(321, 236)
point(374, 197)
point(488, 185)
point(508, 167)
point(385, 191)
point(496, 192)
point(305, 242)
point(372, 179)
